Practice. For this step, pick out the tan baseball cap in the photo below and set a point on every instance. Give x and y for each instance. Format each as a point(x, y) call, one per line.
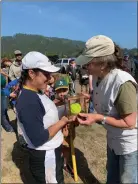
point(96, 46)
point(17, 52)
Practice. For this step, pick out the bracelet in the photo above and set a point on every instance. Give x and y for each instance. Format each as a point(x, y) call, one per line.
point(103, 121)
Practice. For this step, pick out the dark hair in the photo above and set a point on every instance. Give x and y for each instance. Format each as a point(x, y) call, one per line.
point(84, 67)
point(71, 60)
point(2, 65)
point(23, 78)
point(3, 62)
point(119, 57)
point(112, 61)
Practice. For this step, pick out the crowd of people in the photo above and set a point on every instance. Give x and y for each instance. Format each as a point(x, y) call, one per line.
point(38, 96)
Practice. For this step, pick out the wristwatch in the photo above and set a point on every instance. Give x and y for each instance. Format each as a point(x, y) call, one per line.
point(103, 121)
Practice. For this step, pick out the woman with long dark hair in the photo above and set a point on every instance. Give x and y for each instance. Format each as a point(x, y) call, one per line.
point(39, 127)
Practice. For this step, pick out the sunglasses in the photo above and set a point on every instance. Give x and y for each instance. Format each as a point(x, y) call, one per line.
point(18, 55)
point(46, 74)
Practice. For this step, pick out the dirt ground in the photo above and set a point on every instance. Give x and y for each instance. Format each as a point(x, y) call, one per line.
point(90, 148)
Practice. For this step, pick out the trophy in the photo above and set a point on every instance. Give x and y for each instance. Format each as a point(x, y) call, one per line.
point(76, 104)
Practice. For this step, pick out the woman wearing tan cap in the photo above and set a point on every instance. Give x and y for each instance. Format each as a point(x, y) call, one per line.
point(115, 101)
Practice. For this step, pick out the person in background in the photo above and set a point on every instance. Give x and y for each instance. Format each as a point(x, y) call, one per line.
point(89, 95)
point(11, 90)
point(71, 71)
point(115, 101)
point(61, 90)
point(4, 106)
point(126, 64)
point(15, 68)
point(83, 79)
point(136, 67)
point(5, 74)
point(91, 107)
point(5, 65)
point(86, 86)
point(61, 94)
point(38, 124)
point(129, 65)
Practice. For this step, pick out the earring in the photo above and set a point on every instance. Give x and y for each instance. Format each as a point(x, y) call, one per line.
point(101, 70)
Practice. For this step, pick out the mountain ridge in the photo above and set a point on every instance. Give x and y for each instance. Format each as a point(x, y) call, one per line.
point(47, 45)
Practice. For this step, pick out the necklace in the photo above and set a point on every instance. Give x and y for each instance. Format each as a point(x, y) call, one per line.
point(25, 87)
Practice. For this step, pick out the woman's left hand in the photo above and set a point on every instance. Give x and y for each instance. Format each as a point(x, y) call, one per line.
point(87, 119)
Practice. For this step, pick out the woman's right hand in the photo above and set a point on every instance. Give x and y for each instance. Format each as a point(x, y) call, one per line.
point(65, 119)
point(59, 125)
point(70, 120)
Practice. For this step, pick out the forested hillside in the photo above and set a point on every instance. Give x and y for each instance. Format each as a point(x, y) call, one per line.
point(47, 45)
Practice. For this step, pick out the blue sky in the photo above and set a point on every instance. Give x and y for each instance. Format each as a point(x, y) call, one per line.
point(73, 20)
